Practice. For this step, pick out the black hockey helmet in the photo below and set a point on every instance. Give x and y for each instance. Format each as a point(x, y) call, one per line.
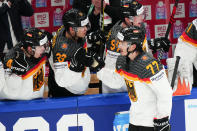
point(132, 35)
point(34, 37)
point(75, 18)
point(130, 9)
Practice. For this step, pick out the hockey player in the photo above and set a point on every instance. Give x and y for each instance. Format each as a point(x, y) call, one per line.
point(148, 87)
point(186, 48)
point(132, 14)
point(25, 67)
point(70, 74)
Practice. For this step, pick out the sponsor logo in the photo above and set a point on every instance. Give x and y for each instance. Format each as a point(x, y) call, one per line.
point(158, 76)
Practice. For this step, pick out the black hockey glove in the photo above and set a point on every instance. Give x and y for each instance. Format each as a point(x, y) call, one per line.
point(98, 35)
point(18, 65)
point(76, 67)
point(80, 60)
point(162, 124)
point(159, 44)
point(98, 63)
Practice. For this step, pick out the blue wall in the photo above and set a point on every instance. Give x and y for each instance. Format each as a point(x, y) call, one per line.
point(100, 108)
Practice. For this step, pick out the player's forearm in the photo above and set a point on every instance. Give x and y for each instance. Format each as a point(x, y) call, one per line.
point(163, 92)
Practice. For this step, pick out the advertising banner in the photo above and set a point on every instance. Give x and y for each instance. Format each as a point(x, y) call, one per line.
point(190, 114)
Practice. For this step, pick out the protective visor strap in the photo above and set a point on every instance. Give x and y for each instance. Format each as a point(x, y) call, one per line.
point(85, 22)
point(120, 36)
point(140, 11)
point(43, 41)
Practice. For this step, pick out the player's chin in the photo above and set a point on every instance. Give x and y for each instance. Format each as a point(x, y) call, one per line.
point(82, 36)
point(123, 53)
point(38, 55)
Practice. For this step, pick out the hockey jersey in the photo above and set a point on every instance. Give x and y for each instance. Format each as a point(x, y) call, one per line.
point(189, 36)
point(148, 88)
point(63, 50)
point(27, 86)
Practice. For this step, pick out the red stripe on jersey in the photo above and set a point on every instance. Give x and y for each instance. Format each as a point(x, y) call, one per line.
point(187, 39)
point(133, 76)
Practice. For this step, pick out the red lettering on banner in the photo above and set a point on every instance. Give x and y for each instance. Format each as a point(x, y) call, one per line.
point(58, 1)
point(41, 19)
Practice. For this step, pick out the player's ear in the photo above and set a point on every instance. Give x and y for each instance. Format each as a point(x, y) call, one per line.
point(132, 47)
point(29, 49)
point(71, 29)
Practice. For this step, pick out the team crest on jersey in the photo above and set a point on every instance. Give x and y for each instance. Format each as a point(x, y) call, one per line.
point(64, 46)
point(131, 90)
point(38, 79)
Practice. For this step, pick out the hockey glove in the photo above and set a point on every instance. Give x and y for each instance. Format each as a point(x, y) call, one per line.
point(76, 67)
point(160, 44)
point(98, 63)
point(80, 60)
point(18, 65)
point(98, 35)
point(162, 124)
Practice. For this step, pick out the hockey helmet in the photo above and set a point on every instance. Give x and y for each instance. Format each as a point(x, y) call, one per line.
point(131, 9)
point(75, 18)
point(34, 37)
point(132, 35)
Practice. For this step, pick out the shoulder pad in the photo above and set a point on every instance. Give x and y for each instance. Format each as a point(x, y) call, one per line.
point(191, 30)
point(145, 66)
point(64, 48)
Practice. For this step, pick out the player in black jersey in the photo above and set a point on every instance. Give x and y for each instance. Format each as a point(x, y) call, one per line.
point(70, 59)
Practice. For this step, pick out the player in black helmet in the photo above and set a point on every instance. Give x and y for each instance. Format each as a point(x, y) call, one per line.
point(25, 65)
point(70, 61)
point(147, 84)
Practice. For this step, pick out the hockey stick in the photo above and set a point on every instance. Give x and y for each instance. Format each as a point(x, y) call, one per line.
point(171, 21)
point(175, 71)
